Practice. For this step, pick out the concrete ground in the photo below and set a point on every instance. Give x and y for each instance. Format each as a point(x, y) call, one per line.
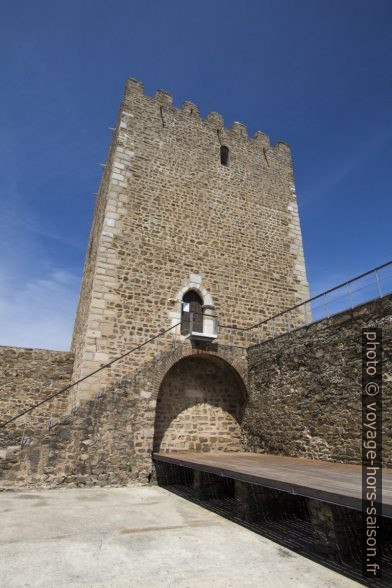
point(138, 537)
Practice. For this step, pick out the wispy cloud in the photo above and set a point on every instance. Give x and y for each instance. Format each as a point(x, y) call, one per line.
point(35, 228)
point(40, 313)
point(350, 163)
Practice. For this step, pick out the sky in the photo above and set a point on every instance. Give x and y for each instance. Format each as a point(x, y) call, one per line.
point(314, 73)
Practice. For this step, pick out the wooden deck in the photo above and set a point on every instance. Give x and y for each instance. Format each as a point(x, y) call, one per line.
point(331, 482)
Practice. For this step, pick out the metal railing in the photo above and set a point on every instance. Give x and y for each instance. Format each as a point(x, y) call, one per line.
point(368, 286)
point(151, 341)
point(375, 283)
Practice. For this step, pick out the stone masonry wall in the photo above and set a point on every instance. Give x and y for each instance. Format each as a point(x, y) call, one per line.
point(199, 408)
point(303, 399)
point(305, 388)
point(109, 440)
point(170, 216)
point(28, 376)
point(84, 322)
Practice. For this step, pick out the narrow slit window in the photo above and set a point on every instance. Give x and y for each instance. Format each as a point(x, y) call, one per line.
point(224, 155)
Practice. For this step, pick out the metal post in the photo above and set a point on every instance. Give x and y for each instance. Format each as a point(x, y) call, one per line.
point(190, 323)
point(158, 353)
point(174, 339)
point(326, 305)
point(24, 439)
point(76, 402)
point(350, 294)
point(378, 284)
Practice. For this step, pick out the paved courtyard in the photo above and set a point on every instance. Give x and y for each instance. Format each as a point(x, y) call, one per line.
point(138, 537)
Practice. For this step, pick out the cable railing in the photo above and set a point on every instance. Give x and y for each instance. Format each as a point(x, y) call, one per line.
point(368, 286)
point(155, 352)
point(375, 283)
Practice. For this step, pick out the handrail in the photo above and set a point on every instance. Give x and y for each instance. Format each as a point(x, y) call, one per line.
point(235, 327)
point(283, 312)
point(2, 425)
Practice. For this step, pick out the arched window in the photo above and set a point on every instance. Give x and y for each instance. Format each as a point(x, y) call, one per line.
point(224, 155)
point(191, 304)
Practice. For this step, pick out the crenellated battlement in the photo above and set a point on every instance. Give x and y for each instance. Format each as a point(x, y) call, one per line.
point(196, 226)
point(185, 199)
point(237, 130)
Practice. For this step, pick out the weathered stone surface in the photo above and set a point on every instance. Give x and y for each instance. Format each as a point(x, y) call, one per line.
point(305, 388)
point(170, 217)
point(303, 400)
point(199, 408)
point(28, 376)
point(109, 440)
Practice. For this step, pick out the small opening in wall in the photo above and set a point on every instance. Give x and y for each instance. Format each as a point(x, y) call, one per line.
point(224, 155)
point(191, 303)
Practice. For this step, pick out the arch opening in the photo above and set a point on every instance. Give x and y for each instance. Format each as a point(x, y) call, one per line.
point(200, 407)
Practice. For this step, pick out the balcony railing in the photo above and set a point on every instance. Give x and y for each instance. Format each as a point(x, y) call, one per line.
point(210, 328)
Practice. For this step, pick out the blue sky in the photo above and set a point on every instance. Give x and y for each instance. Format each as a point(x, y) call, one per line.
point(314, 73)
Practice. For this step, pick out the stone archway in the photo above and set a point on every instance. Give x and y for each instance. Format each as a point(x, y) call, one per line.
point(199, 407)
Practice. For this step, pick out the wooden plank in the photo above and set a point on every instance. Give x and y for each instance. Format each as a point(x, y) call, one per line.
point(336, 483)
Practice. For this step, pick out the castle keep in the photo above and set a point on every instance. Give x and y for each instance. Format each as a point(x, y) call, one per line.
point(195, 233)
point(189, 215)
point(195, 360)
point(195, 237)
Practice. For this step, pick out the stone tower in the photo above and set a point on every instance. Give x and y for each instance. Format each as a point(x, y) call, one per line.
point(190, 215)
